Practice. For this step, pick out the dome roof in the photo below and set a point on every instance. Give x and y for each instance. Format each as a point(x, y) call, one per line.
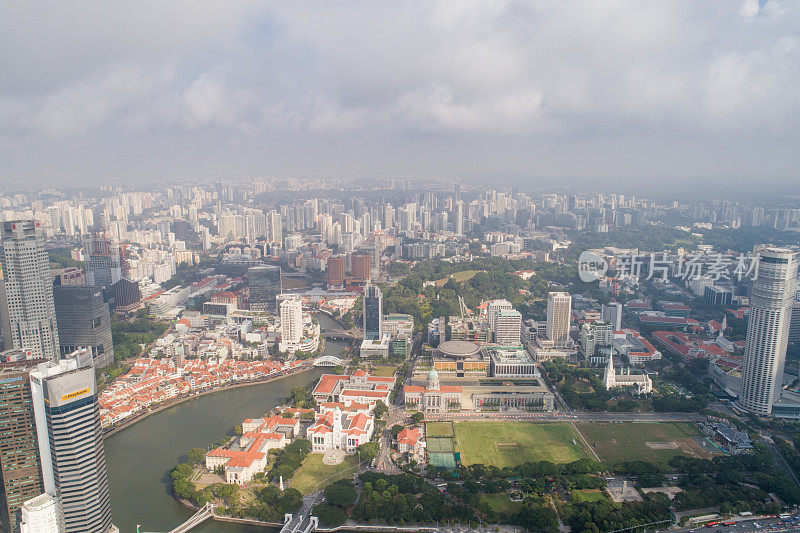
point(459, 349)
point(433, 375)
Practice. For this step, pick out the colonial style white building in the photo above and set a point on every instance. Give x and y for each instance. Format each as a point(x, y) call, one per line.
point(432, 398)
point(360, 388)
point(248, 456)
point(339, 427)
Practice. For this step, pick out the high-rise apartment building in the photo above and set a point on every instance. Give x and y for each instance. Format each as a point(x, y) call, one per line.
point(27, 311)
point(291, 321)
point(508, 327)
point(265, 286)
point(361, 267)
point(335, 270)
point(19, 449)
point(373, 312)
point(612, 313)
point(71, 442)
point(559, 316)
point(771, 302)
point(84, 322)
point(103, 260)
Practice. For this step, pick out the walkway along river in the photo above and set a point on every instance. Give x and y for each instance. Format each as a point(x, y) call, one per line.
point(140, 457)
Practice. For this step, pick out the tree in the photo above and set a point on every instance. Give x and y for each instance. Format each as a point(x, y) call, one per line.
point(380, 409)
point(396, 429)
point(368, 451)
point(342, 493)
point(329, 515)
point(417, 417)
point(196, 456)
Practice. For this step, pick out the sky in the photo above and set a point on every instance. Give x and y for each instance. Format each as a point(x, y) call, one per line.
point(664, 92)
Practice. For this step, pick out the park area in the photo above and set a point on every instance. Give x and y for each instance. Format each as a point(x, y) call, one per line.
point(655, 443)
point(513, 443)
point(314, 472)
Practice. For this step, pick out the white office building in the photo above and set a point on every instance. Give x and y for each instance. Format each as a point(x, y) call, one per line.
point(494, 307)
point(41, 514)
point(71, 449)
point(559, 310)
point(768, 329)
point(508, 327)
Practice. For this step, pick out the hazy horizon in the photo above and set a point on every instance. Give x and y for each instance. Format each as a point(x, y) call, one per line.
point(654, 95)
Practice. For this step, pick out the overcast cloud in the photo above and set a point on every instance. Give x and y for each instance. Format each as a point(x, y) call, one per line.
point(151, 90)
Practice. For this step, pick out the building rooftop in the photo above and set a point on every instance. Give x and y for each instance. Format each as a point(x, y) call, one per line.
point(459, 349)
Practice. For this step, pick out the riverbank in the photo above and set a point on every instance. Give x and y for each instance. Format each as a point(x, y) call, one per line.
point(179, 400)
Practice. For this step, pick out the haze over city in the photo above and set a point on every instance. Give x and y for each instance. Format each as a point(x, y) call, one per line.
point(541, 91)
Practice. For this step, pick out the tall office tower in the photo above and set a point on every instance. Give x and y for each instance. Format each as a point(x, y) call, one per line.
point(508, 327)
point(265, 286)
point(19, 449)
point(42, 514)
point(559, 309)
point(335, 269)
point(291, 321)
point(103, 260)
point(494, 307)
point(71, 443)
point(768, 329)
point(459, 219)
point(361, 267)
point(373, 312)
point(27, 312)
point(612, 313)
point(84, 322)
point(274, 227)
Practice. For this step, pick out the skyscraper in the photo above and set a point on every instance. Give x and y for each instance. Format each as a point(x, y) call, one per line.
point(42, 514)
point(84, 322)
point(291, 322)
point(559, 309)
point(103, 260)
point(612, 313)
point(373, 312)
point(265, 286)
point(768, 329)
point(335, 270)
point(361, 267)
point(27, 312)
point(71, 443)
point(494, 307)
point(19, 449)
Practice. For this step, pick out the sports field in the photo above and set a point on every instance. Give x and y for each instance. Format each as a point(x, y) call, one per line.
point(513, 443)
point(438, 429)
point(500, 503)
point(654, 442)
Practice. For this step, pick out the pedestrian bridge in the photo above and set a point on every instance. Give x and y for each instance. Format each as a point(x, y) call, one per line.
point(202, 514)
point(328, 360)
point(342, 334)
point(299, 523)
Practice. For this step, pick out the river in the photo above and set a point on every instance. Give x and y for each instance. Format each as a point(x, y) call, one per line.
point(140, 457)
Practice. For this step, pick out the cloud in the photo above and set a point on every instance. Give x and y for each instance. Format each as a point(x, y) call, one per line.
point(283, 82)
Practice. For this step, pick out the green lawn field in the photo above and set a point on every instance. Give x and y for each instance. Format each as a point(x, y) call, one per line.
point(383, 371)
point(313, 472)
point(651, 442)
point(588, 495)
point(500, 503)
point(438, 429)
point(513, 443)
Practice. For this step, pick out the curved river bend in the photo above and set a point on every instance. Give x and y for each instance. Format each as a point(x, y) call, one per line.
point(140, 457)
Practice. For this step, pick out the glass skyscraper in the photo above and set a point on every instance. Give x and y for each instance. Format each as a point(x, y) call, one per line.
point(265, 286)
point(373, 312)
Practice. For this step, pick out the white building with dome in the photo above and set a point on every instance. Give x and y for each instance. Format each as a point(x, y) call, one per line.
point(433, 397)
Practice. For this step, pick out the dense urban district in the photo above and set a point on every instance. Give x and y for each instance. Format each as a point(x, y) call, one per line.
point(494, 360)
